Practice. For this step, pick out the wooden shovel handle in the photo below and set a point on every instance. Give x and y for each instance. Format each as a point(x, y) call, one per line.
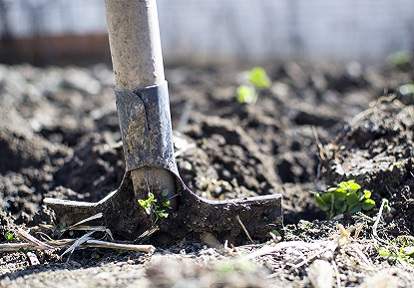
point(134, 38)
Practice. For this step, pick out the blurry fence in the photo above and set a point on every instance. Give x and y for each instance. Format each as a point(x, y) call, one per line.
point(343, 30)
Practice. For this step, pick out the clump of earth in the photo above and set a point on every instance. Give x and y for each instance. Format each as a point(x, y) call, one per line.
point(317, 125)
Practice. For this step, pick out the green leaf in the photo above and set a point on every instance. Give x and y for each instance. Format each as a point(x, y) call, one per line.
point(147, 203)
point(339, 193)
point(9, 236)
point(345, 184)
point(162, 214)
point(352, 198)
point(328, 198)
point(167, 204)
point(165, 192)
point(384, 252)
point(246, 94)
point(367, 194)
point(259, 78)
point(354, 187)
point(62, 225)
point(350, 186)
point(368, 204)
point(340, 206)
point(399, 59)
point(321, 203)
point(356, 207)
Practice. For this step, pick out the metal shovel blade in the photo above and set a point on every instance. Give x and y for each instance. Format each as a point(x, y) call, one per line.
point(236, 220)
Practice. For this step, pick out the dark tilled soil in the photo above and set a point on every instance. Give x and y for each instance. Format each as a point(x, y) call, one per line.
point(313, 128)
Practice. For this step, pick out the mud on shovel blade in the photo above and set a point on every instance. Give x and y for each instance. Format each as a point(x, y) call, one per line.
point(145, 123)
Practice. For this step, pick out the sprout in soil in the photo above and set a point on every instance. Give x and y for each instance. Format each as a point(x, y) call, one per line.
point(400, 59)
point(9, 236)
point(150, 206)
point(346, 197)
point(257, 80)
point(401, 249)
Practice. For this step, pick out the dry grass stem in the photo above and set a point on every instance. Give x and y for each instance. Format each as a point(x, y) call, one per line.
point(35, 242)
point(244, 228)
point(93, 217)
point(375, 226)
point(93, 228)
point(322, 150)
point(132, 247)
point(332, 247)
point(362, 256)
point(78, 242)
point(14, 247)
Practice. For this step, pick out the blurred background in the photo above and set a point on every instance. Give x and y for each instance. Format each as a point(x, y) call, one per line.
point(43, 32)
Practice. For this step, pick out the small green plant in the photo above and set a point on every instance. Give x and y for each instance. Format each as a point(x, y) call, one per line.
point(400, 59)
point(246, 94)
point(346, 197)
point(150, 206)
point(399, 250)
point(9, 236)
point(120, 252)
point(62, 228)
point(257, 79)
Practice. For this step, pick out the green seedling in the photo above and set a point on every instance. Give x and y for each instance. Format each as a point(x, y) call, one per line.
point(399, 59)
point(9, 236)
point(246, 94)
point(150, 206)
point(120, 252)
point(148, 203)
point(58, 230)
point(257, 80)
point(62, 228)
point(346, 197)
point(399, 250)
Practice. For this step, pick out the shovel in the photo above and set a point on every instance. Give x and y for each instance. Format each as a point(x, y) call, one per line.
point(152, 196)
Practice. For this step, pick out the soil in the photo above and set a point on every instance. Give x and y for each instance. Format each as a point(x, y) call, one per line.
point(317, 125)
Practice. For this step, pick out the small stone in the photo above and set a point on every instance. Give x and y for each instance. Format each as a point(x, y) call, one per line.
point(321, 274)
point(33, 259)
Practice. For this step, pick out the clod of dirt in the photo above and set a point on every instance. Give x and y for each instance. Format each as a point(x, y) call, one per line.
point(22, 153)
point(377, 151)
point(229, 159)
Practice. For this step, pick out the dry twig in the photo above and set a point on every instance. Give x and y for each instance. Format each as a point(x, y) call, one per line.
point(14, 247)
point(77, 243)
point(35, 242)
point(375, 226)
point(132, 247)
point(244, 228)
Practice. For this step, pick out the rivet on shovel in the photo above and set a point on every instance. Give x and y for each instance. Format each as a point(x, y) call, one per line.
point(145, 123)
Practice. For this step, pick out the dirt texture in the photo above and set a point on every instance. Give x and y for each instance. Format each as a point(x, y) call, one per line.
point(317, 125)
